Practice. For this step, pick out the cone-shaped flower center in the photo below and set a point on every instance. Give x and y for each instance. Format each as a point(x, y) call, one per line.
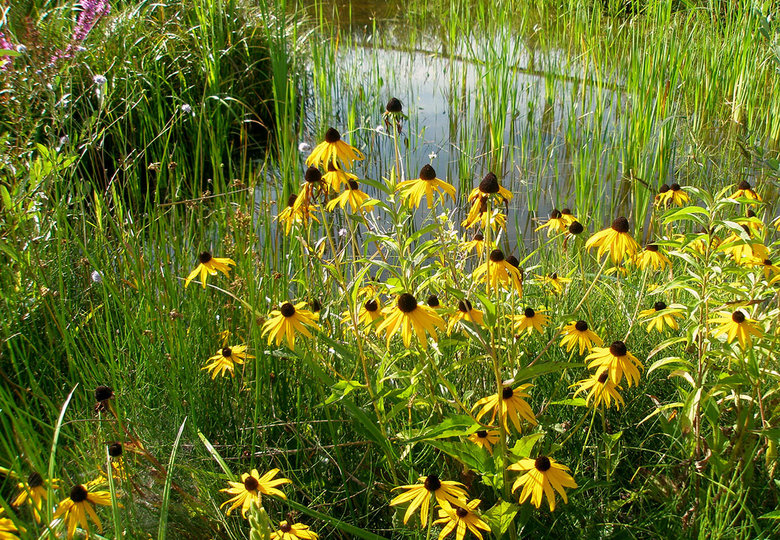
point(489, 184)
point(496, 255)
point(432, 482)
point(204, 257)
point(566, 212)
point(581, 326)
point(513, 261)
point(427, 173)
point(507, 392)
point(332, 136)
point(664, 188)
point(394, 105)
point(618, 348)
point(750, 213)
point(34, 480)
point(482, 434)
point(529, 312)
point(287, 309)
point(555, 214)
point(251, 483)
point(675, 187)
point(542, 464)
point(285, 527)
point(352, 184)
point(102, 393)
point(576, 227)
point(768, 262)
point(433, 301)
point(291, 200)
point(620, 225)
point(78, 494)
point(313, 175)
point(479, 237)
point(407, 303)
point(227, 352)
point(464, 306)
point(744, 185)
point(554, 275)
point(371, 306)
point(658, 306)
point(115, 449)
point(603, 377)
point(462, 512)
point(738, 317)
point(652, 247)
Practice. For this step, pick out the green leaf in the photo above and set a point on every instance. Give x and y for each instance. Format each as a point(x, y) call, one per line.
point(542, 369)
point(342, 389)
point(774, 514)
point(472, 456)
point(453, 426)
point(166, 494)
point(500, 517)
point(523, 447)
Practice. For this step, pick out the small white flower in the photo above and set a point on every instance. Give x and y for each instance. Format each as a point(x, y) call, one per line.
point(186, 108)
point(96, 276)
point(304, 147)
point(21, 49)
point(342, 232)
point(432, 156)
point(99, 80)
point(64, 140)
point(380, 128)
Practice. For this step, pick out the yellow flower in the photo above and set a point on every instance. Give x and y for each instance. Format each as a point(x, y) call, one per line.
point(617, 361)
point(288, 320)
point(412, 191)
point(226, 359)
point(7, 528)
point(509, 404)
point(251, 488)
point(291, 532)
point(600, 391)
point(736, 325)
point(578, 333)
point(485, 438)
point(357, 200)
point(292, 215)
point(34, 492)
point(671, 195)
point(530, 320)
point(479, 216)
point(752, 221)
point(313, 187)
point(75, 509)
point(556, 283)
point(446, 493)
point(567, 217)
point(740, 250)
point(616, 241)
point(476, 244)
point(555, 225)
point(466, 312)
point(490, 187)
point(660, 315)
point(769, 268)
point(335, 178)
point(370, 311)
point(333, 149)
point(460, 519)
point(498, 271)
point(745, 191)
point(651, 257)
point(543, 476)
point(209, 265)
point(702, 242)
point(407, 315)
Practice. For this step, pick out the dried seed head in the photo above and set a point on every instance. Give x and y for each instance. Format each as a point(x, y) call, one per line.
point(115, 449)
point(394, 106)
point(103, 393)
point(576, 228)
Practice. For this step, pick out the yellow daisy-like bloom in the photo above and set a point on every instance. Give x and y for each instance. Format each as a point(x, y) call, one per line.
point(335, 178)
point(291, 532)
point(543, 476)
point(313, 187)
point(479, 216)
point(7, 528)
point(768, 267)
point(567, 217)
point(616, 360)
point(498, 271)
point(485, 438)
point(209, 265)
point(407, 315)
point(490, 187)
point(34, 492)
point(412, 191)
point(251, 488)
point(671, 195)
point(740, 250)
point(555, 225)
point(288, 320)
point(736, 325)
point(332, 150)
point(745, 191)
point(292, 215)
point(752, 221)
point(226, 359)
point(578, 333)
point(476, 244)
point(651, 257)
point(530, 320)
point(460, 520)
point(446, 493)
point(508, 405)
point(660, 316)
point(368, 313)
point(466, 312)
point(358, 201)
point(616, 241)
point(555, 282)
point(75, 509)
point(702, 242)
point(601, 391)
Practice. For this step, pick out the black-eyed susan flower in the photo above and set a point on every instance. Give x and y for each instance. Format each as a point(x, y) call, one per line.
point(34, 492)
point(485, 438)
point(555, 225)
point(465, 312)
point(509, 405)
point(672, 195)
point(226, 360)
point(480, 216)
point(651, 258)
point(358, 201)
point(617, 361)
point(480, 213)
point(567, 217)
point(476, 244)
point(208, 265)
point(543, 476)
point(433, 301)
point(291, 215)
point(497, 271)
point(291, 532)
point(412, 191)
point(369, 312)
point(78, 505)
point(460, 520)
point(742, 251)
point(579, 334)
point(661, 316)
point(616, 241)
point(490, 187)
point(575, 229)
point(408, 316)
point(767, 266)
point(288, 320)
point(102, 396)
point(752, 221)
point(600, 391)
point(335, 178)
point(745, 191)
point(332, 150)
point(529, 321)
point(555, 282)
point(312, 188)
point(446, 493)
point(736, 325)
point(251, 488)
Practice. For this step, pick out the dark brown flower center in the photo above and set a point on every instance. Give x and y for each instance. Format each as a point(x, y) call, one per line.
point(432, 482)
point(620, 225)
point(251, 483)
point(529, 312)
point(566, 212)
point(102, 393)
point(427, 173)
point(576, 227)
point(313, 175)
point(618, 348)
point(291, 200)
point(352, 185)
point(371, 306)
point(651, 247)
point(750, 213)
point(513, 261)
point(204, 257)
point(115, 449)
point(482, 434)
point(394, 105)
point(34, 480)
point(285, 527)
point(555, 214)
point(464, 306)
point(496, 255)
point(433, 301)
point(315, 305)
point(554, 276)
point(461, 512)
point(479, 237)
point(658, 306)
point(407, 303)
point(542, 464)
point(332, 136)
point(603, 377)
point(675, 187)
point(768, 262)
point(581, 326)
point(227, 352)
point(78, 494)
point(489, 184)
point(664, 188)
point(507, 392)
point(738, 317)
point(744, 185)
point(287, 309)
